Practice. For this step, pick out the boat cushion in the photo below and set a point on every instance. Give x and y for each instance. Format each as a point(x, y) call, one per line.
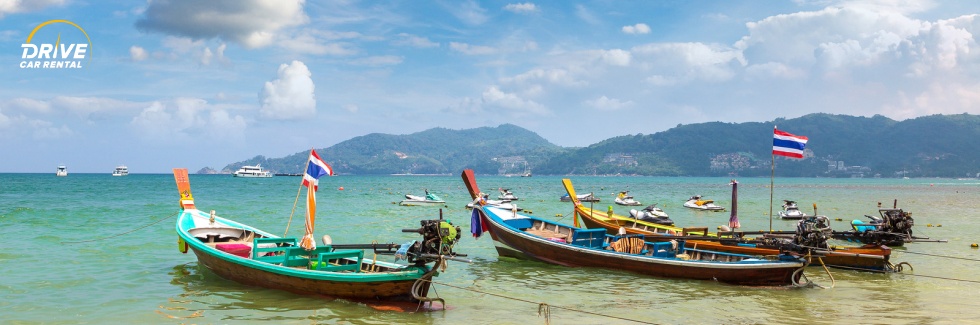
point(242, 250)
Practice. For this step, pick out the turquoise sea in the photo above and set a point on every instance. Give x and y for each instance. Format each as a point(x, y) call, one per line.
point(96, 249)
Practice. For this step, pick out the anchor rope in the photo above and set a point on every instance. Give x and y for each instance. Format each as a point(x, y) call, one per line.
point(908, 274)
point(539, 304)
point(120, 234)
point(943, 256)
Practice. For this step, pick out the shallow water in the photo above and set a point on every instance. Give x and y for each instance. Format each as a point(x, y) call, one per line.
point(91, 248)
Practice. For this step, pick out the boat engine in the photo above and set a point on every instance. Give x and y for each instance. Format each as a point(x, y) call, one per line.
point(438, 238)
point(812, 232)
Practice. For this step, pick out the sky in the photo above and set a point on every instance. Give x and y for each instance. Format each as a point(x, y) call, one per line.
point(187, 83)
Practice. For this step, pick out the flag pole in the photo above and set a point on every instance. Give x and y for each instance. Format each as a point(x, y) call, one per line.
point(772, 175)
point(298, 191)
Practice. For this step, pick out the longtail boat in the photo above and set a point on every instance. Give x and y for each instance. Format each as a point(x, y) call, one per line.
point(522, 236)
point(245, 254)
point(867, 257)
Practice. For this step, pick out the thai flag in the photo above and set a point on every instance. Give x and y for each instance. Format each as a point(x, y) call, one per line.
point(785, 144)
point(314, 169)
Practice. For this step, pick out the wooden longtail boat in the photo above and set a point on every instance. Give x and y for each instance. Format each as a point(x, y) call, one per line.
point(867, 257)
point(250, 256)
point(522, 236)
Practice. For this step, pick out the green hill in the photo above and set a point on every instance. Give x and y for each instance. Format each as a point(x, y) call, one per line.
point(839, 146)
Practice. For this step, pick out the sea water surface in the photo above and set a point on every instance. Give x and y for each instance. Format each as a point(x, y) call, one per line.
point(97, 249)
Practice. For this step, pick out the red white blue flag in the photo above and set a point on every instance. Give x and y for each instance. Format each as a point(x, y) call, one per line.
point(314, 169)
point(789, 145)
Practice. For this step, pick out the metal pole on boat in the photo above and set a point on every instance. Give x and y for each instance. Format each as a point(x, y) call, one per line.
point(772, 175)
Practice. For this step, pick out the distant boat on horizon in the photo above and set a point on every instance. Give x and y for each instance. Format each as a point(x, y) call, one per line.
point(252, 171)
point(120, 170)
point(62, 170)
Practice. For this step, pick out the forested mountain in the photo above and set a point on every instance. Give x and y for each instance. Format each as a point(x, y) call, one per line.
point(434, 151)
point(839, 146)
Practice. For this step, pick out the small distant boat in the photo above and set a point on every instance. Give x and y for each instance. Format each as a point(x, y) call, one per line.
point(581, 198)
point(625, 199)
point(527, 170)
point(62, 171)
point(120, 171)
point(791, 211)
point(506, 205)
point(250, 256)
point(652, 214)
point(526, 237)
point(252, 171)
point(697, 203)
point(428, 200)
point(507, 195)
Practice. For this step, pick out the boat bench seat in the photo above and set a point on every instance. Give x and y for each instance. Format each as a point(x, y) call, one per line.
point(661, 249)
point(595, 238)
point(298, 256)
point(272, 250)
point(335, 261)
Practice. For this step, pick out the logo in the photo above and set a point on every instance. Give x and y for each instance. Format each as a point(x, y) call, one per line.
point(57, 55)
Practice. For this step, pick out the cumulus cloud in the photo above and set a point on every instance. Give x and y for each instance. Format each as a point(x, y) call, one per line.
point(674, 63)
point(291, 95)
point(493, 96)
point(640, 28)
point(521, 8)
point(218, 56)
point(22, 6)
point(616, 57)
point(607, 104)
point(137, 53)
point(539, 75)
point(187, 118)
point(251, 23)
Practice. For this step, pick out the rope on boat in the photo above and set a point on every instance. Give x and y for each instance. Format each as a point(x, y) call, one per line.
point(908, 274)
point(548, 309)
point(120, 234)
point(832, 281)
point(543, 308)
point(943, 256)
point(419, 291)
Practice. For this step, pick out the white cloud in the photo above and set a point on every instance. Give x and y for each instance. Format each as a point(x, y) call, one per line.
point(674, 63)
point(291, 95)
point(185, 119)
point(493, 96)
point(217, 56)
point(472, 49)
point(320, 43)
point(251, 23)
point(521, 8)
point(616, 57)
point(414, 41)
point(351, 108)
point(552, 76)
point(22, 6)
point(640, 28)
point(137, 53)
point(607, 104)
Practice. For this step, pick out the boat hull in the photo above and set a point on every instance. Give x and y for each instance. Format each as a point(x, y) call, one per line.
point(516, 243)
point(865, 258)
point(394, 285)
point(379, 290)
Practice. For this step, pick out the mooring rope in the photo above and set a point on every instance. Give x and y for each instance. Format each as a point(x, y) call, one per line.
point(944, 256)
point(548, 310)
point(120, 234)
point(909, 274)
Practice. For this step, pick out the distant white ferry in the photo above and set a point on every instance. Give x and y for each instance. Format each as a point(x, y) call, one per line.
point(120, 171)
point(62, 170)
point(252, 171)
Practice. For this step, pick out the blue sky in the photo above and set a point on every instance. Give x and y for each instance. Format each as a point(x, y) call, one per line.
point(203, 83)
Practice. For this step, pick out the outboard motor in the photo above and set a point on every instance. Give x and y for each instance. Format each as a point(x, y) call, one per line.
point(813, 232)
point(438, 238)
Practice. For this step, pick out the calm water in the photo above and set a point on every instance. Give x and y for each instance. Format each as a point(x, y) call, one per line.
point(91, 248)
